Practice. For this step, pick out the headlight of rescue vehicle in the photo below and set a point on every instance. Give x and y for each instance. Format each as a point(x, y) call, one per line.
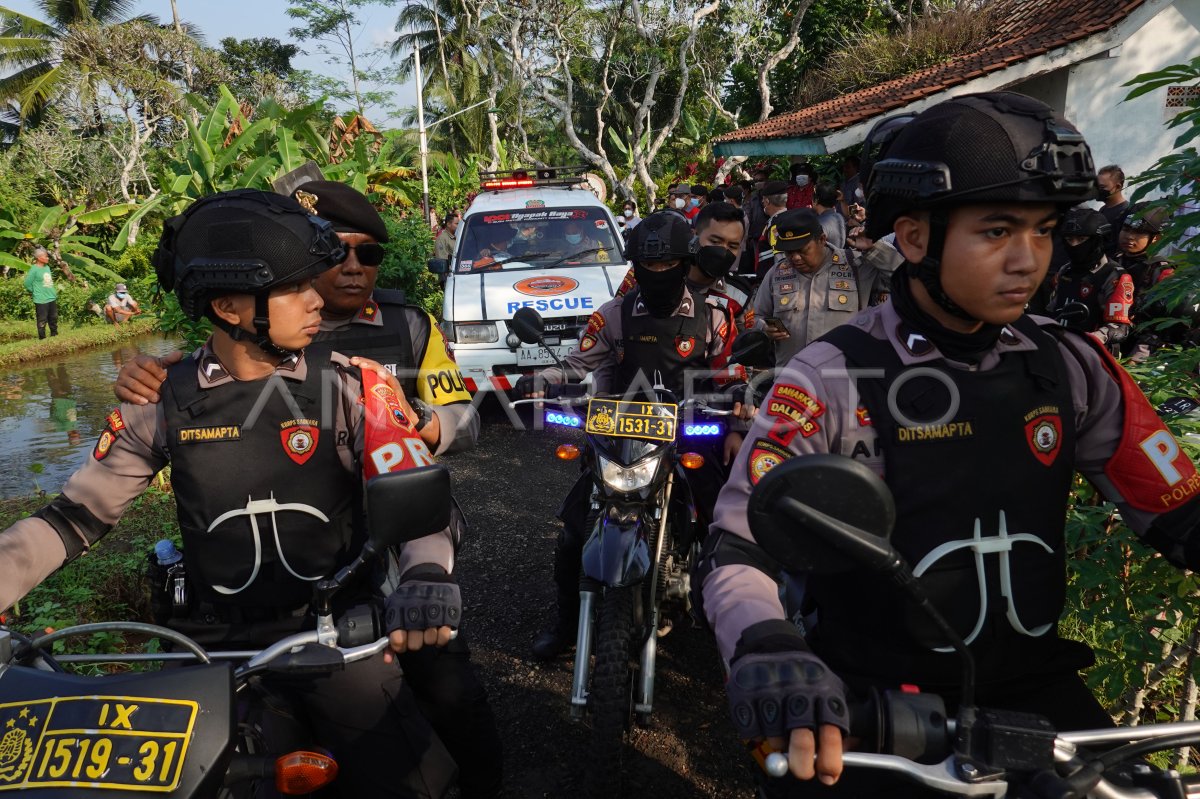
point(634, 478)
point(476, 333)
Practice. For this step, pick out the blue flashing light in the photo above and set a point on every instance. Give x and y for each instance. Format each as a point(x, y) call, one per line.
point(702, 430)
point(564, 419)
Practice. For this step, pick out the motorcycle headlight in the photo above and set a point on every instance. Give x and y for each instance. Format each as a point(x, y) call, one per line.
point(633, 478)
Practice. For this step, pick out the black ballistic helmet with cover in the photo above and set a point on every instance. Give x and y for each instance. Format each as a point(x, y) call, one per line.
point(662, 236)
point(995, 147)
point(1144, 217)
point(242, 242)
point(1093, 227)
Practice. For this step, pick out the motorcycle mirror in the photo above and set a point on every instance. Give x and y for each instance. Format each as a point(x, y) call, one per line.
point(527, 324)
point(407, 505)
point(826, 514)
point(753, 348)
point(1073, 312)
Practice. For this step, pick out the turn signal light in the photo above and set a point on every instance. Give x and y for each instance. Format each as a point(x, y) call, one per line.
point(691, 460)
point(304, 772)
point(567, 452)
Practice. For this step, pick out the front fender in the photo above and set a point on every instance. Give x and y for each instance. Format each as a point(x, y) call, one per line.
point(616, 553)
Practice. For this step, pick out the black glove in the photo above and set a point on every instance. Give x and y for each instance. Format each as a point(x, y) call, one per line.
point(525, 386)
point(427, 597)
point(776, 685)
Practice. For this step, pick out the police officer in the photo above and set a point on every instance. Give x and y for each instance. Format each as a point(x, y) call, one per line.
point(1091, 294)
point(239, 420)
point(813, 289)
point(1031, 401)
point(659, 327)
point(1142, 229)
point(360, 319)
point(774, 198)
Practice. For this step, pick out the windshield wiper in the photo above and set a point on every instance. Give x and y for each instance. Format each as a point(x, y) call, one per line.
point(592, 251)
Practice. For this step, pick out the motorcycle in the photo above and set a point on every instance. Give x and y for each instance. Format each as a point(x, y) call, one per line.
point(190, 731)
point(828, 514)
point(642, 545)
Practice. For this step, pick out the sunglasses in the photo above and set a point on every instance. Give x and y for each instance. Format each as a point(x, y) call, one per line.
point(369, 253)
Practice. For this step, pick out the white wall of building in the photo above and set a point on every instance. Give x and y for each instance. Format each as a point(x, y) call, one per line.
point(1132, 134)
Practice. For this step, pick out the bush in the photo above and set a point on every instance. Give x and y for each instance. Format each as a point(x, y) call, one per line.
point(134, 261)
point(404, 266)
point(73, 300)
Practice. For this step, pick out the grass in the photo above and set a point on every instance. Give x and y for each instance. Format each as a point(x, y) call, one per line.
point(107, 584)
point(19, 342)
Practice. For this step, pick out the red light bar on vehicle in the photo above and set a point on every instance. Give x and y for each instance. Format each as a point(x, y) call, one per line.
point(543, 176)
point(511, 183)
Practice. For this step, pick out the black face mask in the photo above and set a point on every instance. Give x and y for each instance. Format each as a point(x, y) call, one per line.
point(1085, 257)
point(661, 292)
point(714, 261)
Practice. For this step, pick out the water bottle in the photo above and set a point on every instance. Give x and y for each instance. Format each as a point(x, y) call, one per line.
point(170, 559)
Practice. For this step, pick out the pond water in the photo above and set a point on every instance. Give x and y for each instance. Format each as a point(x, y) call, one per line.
point(52, 411)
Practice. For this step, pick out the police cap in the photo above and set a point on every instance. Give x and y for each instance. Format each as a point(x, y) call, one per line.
point(346, 208)
point(796, 228)
point(774, 187)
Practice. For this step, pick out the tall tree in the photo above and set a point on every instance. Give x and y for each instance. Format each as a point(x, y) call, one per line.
point(335, 26)
point(33, 48)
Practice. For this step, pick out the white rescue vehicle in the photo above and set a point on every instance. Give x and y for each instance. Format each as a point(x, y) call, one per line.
point(539, 240)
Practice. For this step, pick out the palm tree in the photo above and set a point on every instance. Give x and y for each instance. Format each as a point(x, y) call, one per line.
point(441, 30)
point(33, 48)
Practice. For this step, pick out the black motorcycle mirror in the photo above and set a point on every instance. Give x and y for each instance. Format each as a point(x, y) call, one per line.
point(753, 349)
point(829, 514)
point(401, 506)
point(527, 324)
point(1072, 313)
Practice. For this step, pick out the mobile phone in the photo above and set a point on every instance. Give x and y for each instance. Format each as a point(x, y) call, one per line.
point(774, 324)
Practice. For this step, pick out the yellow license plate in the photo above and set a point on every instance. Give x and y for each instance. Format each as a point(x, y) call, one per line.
point(651, 420)
point(125, 743)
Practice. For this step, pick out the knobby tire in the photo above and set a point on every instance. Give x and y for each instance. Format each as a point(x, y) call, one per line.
point(611, 694)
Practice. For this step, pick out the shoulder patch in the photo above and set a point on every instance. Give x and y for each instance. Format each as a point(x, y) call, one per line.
point(765, 455)
point(595, 323)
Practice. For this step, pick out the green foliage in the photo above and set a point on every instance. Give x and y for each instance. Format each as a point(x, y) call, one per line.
point(109, 584)
point(73, 299)
point(404, 266)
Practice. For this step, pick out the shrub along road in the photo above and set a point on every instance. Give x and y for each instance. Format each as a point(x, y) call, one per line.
point(510, 487)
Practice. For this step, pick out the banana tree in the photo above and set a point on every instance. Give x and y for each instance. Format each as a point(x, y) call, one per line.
point(59, 230)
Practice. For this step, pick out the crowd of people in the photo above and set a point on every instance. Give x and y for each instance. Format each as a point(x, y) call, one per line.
point(933, 277)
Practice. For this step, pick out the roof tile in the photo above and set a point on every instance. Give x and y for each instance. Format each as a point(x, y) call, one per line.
point(1028, 28)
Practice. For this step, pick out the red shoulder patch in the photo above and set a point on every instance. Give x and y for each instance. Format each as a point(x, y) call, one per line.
point(595, 324)
point(115, 422)
point(1044, 434)
point(1149, 468)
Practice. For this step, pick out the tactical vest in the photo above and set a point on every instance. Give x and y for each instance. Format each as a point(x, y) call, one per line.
point(1092, 289)
point(390, 344)
point(1000, 466)
point(669, 346)
point(264, 502)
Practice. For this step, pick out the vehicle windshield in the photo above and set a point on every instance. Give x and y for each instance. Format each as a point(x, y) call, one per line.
point(530, 238)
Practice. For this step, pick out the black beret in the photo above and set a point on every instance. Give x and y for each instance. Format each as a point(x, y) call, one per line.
point(773, 187)
point(796, 228)
point(345, 208)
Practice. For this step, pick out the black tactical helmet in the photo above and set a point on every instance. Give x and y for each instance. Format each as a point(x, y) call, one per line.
point(662, 236)
point(996, 147)
point(1146, 218)
point(242, 242)
point(992, 147)
point(1085, 222)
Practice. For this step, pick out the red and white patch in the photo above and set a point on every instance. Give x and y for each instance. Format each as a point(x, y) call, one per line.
point(764, 457)
point(115, 422)
point(104, 445)
point(1085, 291)
point(395, 411)
point(1044, 434)
point(863, 416)
point(299, 442)
point(587, 342)
point(684, 345)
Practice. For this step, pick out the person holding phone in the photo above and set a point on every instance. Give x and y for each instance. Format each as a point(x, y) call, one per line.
point(813, 290)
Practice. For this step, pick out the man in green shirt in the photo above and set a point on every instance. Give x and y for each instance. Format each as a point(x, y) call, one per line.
point(40, 283)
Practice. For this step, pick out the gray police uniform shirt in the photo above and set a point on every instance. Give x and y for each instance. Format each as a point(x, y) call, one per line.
point(810, 305)
point(31, 550)
point(737, 596)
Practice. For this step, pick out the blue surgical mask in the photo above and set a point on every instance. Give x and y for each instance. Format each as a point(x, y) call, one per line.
point(693, 203)
point(574, 238)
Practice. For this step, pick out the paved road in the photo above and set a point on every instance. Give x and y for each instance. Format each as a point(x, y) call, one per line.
point(510, 487)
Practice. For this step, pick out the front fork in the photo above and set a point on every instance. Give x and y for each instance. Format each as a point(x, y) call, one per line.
point(643, 698)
